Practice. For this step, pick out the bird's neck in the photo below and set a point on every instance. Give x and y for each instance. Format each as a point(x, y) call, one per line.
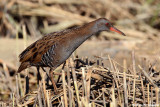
point(81, 34)
point(87, 30)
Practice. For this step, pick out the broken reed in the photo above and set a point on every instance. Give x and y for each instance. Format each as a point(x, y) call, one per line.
point(85, 85)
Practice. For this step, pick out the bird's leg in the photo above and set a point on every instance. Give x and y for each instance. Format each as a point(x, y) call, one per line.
point(64, 65)
point(38, 75)
point(52, 80)
point(47, 80)
point(60, 75)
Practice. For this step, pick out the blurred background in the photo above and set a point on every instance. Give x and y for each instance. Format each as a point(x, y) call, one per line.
point(24, 21)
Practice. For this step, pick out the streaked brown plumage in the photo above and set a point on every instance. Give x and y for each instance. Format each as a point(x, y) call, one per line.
point(53, 49)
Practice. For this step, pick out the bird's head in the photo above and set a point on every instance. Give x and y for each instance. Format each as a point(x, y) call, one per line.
point(104, 25)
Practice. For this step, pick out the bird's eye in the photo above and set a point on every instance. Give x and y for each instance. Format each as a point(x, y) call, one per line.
point(107, 24)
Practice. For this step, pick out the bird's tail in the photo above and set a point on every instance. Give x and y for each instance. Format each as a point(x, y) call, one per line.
point(23, 66)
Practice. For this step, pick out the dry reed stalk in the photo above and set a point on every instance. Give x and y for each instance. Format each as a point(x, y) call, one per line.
point(148, 94)
point(129, 88)
point(29, 101)
point(13, 100)
point(20, 86)
point(134, 71)
point(24, 36)
point(39, 95)
point(90, 105)
point(83, 90)
point(26, 71)
point(93, 75)
point(62, 101)
point(44, 87)
point(97, 98)
point(120, 74)
point(104, 102)
point(157, 96)
point(98, 105)
point(117, 71)
point(144, 98)
point(17, 87)
point(88, 84)
point(75, 82)
point(72, 98)
point(17, 45)
point(118, 64)
point(118, 81)
point(60, 104)
point(125, 84)
point(2, 104)
point(64, 89)
point(93, 104)
point(84, 102)
point(69, 84)
point(57, 97)
point(2, 76)
point(147, 76)
point(8, 24)
point(32, 28)
point(6, 72)
point(48, 93)
point(112, 69)
point(35, 101)
point(85, 86)
point(39, 101)
point(151, 95)
point(43, 96)
point(113, 103)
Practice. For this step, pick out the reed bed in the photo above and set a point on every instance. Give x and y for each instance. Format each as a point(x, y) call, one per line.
point(85, 83)
point(136, 17)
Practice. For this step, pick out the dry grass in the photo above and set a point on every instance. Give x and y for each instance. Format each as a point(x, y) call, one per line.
point(86, 85)
point(97, 83)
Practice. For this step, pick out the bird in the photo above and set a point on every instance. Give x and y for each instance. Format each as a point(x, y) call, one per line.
point(55, 48)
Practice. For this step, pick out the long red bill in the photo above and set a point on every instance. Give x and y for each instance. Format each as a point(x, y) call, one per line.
point(116, 30)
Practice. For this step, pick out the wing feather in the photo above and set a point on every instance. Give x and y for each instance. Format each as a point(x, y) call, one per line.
point(34, 52)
